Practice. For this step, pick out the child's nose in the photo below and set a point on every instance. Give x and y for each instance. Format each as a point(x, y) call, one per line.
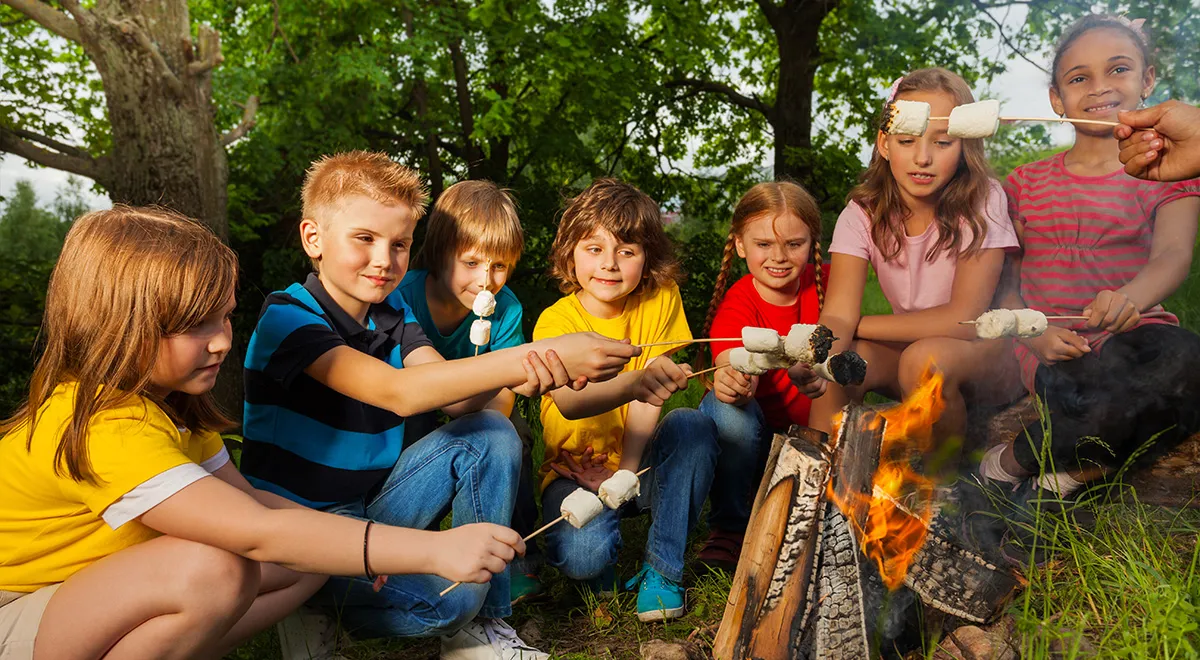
point(923, 155)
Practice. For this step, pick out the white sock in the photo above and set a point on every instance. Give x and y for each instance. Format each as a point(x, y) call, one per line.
point(990, 467)
point(1059, 483)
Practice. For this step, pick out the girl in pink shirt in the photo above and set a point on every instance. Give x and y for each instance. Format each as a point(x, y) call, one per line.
point(932, 221)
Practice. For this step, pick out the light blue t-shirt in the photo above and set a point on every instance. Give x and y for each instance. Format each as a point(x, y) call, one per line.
point(506, 320)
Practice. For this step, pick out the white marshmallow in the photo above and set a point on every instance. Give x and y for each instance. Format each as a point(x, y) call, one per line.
point(580, 507)
point(761, 340)
point(481, 332)
point(908, 118)
point(996, 323)
point(975, 120)
point(822, 370)
point(618, 489)
point(1030, 322)
point(798, 344)
point(485, 303)
point(768, 361)
point(742, 360)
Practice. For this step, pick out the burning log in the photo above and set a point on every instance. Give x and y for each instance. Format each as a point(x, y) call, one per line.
point(957, 581)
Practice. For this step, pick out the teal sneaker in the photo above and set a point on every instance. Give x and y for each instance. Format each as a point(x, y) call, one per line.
point(659, 598)
point(604, 586)
point(524, 586)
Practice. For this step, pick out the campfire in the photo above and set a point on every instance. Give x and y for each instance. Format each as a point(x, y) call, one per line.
point(814, 579)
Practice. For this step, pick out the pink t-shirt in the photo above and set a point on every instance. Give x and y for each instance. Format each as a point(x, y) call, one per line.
point(909, 282)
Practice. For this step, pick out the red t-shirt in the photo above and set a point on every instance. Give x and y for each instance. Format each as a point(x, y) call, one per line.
point(782, 404)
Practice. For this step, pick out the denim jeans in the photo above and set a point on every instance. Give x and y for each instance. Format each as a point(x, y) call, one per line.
point(469, 467)
point(745, 442)
point(682, 455)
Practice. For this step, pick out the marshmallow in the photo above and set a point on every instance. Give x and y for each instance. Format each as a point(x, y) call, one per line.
point(975, 120)
point(1030, 322)
point(618, 489)
point(481, 332)
point(580, 507)
point(906, 118)
point(485, 303)
point(742, 360)
point(808, 344)
point(845, 368)
point(768, 361)
point(761, 340)
point(996, 323)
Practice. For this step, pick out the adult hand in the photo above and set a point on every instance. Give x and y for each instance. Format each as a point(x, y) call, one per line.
point(1112, 311)
point(589, 471)
point(1161, 143)
point(733, 387)
point(1057, 345)
point(475, 552)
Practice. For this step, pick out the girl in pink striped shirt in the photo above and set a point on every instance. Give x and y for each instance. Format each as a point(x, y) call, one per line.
point(1102, 244)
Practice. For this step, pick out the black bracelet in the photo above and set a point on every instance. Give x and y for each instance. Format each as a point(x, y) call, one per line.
point(366, 545)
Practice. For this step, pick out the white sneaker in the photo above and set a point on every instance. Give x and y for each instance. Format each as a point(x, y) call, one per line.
point(488, 639)
point(306, 634)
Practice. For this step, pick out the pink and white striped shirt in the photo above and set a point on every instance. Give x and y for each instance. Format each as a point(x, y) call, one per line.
point(1083, 235)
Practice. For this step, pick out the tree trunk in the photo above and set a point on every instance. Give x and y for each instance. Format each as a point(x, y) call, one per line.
point(796, 32)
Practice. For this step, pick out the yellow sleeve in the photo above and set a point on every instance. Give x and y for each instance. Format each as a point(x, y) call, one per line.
point(554, 322)
point(665, 321)
point(125, 449)
point(211, 444)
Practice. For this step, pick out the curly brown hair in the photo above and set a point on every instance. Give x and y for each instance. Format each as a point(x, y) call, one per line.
point(631, 216)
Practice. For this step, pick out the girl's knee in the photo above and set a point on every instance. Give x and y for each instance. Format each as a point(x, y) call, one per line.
point(583, 554)
point(687, 428)
point(737, 425)
point(919, 356)
point(217, 578)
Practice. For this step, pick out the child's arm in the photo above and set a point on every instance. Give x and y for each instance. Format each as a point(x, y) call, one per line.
point(975, 281)
point(230, 475)
point(431, 386)
point(212, 512)
point(843, 299)
point(429, 355)
point(639, 429)
point(1170, 259)
point(654, 384)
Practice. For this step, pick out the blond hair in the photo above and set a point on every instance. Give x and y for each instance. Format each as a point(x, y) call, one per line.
point(374, 175)
point(631, 216)
point(127, 278)
point(471, 215)
point(961, 200)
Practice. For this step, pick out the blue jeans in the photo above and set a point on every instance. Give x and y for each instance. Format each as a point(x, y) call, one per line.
point(468, 466)
point(683, 455)
point(745, 441)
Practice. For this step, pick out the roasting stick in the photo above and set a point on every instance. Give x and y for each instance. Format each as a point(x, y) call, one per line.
point(689, 341)
point(1071, 120)
point(708, 370)
point(1048, 318)
point(535, 533)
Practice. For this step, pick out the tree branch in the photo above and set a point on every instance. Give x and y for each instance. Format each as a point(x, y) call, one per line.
point(244, 126)
point(1004, 37)
point(728, 93)
point(48, 17)
point(132, 29)
point(50, 142)
point(278, 31)
point(76, 163)
point(209, 41)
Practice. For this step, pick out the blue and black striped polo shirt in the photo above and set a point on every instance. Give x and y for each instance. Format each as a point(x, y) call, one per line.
point(303, 440)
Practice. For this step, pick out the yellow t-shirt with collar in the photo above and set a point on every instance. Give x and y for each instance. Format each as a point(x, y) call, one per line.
point(50, 524)
point(647, 317)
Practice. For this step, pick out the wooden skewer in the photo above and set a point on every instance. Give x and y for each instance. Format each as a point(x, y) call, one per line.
point(708, 370)
point(688, 341)
point(539, 530)
point(1098, 122)
point(1048, 318)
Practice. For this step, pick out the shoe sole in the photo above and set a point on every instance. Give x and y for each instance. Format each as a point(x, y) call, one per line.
point(664, 614)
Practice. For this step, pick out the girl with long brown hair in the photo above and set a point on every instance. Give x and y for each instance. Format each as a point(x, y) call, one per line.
point(125, 528)
point(776, 229)
point(931, 219)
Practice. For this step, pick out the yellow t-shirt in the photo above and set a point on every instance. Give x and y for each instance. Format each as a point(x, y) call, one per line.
point(647, 318)
point(51, 525)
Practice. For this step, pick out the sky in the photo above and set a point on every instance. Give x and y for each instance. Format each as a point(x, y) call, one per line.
point(1021, 90)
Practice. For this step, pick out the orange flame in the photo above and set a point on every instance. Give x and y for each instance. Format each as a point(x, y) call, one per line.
point(901, 504)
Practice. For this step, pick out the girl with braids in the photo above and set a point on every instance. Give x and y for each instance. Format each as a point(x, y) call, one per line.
point(776, 228)
point(931, 219)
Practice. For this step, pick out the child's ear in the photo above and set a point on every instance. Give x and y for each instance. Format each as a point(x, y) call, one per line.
point(1148, 82)
point(881, 144)
point(741, 247)
point(310, 238)
point(1056, 102)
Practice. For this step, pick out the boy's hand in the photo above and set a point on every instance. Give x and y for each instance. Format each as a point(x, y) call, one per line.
point(733, 387)
point(660, 379)
point(1057, 345)
point(541, 376)
point(590, 355)
point(473, 553)
point(589, 471)
point(1112, 311)
point(807, 381)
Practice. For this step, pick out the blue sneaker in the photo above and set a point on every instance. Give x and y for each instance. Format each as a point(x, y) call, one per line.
point(659, 598)
point(604, 586)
